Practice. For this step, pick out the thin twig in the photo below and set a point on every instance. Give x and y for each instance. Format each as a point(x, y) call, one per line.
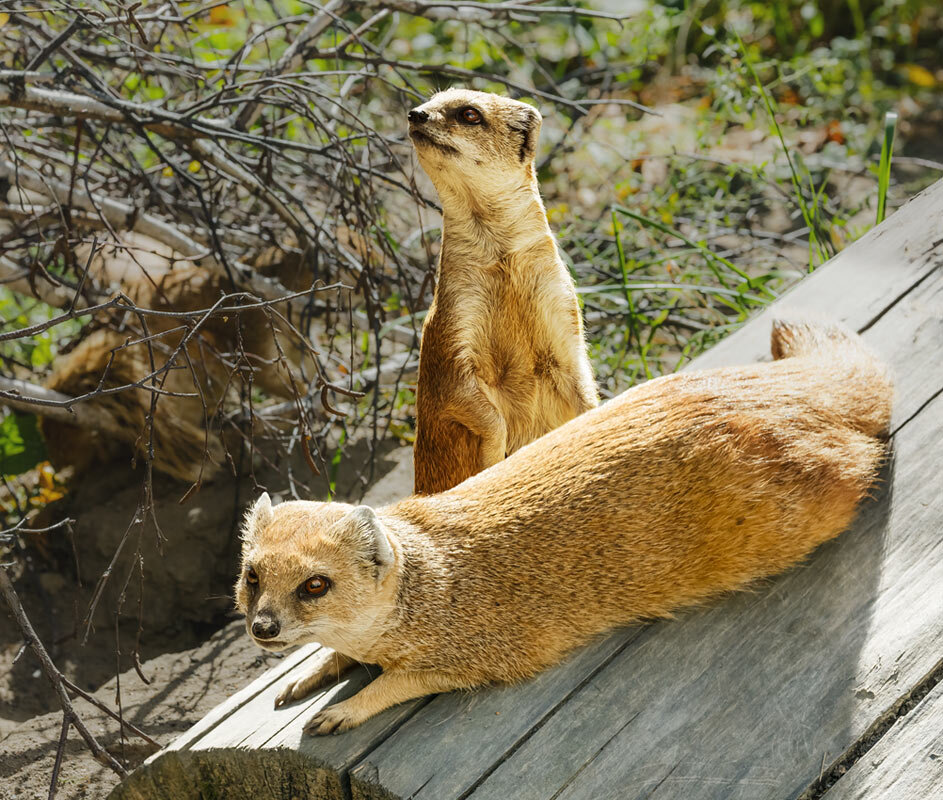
point(53, 675)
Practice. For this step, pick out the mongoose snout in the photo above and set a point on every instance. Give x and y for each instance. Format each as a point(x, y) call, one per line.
point(678, 490)
point(265, 626)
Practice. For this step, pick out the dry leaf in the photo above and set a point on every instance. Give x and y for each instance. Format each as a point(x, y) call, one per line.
point(919, 76)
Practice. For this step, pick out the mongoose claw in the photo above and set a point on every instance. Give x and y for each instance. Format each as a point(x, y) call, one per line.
point(325, 673)
point(333, 719)
point(298, 690)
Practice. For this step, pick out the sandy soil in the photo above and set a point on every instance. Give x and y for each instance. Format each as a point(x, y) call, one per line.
point(184, 687)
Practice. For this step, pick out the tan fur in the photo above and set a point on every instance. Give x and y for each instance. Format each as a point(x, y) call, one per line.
point(154, 277)
point(680, 489)
point(503, 359)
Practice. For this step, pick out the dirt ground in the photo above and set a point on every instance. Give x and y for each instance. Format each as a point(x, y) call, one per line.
point(194, 667)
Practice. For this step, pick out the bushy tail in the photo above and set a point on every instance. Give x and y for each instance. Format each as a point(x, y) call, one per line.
point(854, 383)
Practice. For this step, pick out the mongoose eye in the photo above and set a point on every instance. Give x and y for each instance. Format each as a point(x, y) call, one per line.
point(469, 115)
point(315, 587)
point(252, 577)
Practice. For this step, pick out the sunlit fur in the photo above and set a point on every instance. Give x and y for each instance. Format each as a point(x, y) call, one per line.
point(503, 359)
point(680, 489)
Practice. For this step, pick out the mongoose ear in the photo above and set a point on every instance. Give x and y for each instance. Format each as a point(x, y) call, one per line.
point(257, 517)
point(369, 538)
point(527, 124)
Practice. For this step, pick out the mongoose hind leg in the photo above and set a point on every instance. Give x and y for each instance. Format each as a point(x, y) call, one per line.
point(328, 670)
point(389, 689)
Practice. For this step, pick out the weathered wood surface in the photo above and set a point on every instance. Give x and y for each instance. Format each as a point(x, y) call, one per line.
point(906, 763)
point(755, 697)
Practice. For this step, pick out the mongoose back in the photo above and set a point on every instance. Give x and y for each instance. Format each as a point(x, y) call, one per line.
point(502, 359)
point(678, 490)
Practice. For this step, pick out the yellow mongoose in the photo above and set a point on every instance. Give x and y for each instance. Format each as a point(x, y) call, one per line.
point(503, 358)
point(682, 488)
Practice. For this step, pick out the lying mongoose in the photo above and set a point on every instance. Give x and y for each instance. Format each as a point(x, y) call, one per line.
point(678, 490)
point(502, 359)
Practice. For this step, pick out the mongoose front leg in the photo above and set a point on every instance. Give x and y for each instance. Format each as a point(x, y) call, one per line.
point(389, 689)
point(328, 669)
point(494, 446)
point(477, 413)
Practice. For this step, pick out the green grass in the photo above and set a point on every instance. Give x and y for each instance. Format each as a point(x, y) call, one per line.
point(884, 168)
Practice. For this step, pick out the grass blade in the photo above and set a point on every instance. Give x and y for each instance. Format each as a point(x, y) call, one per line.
point(884, 168)
point(809, 215)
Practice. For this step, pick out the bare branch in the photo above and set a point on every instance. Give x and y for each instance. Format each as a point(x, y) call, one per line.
point(31, 398)
point(126, 217)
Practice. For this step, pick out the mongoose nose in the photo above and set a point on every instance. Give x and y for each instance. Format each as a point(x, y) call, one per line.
point(265, 628)
point(417, 116)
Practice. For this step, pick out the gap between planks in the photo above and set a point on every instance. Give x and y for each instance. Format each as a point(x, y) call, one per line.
point(871, 737)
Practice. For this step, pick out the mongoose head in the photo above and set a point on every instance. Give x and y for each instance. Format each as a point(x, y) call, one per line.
point(315, 572)
point(475, 140)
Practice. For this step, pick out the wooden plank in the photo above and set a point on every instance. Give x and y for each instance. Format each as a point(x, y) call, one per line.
point(908, 337)
point(232, 704)
point(258, 724)
point(751, 698)
point(906, 763)
point(443, 751)
point(855, 286)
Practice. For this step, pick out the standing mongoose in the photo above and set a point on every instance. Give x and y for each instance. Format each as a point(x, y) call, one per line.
point(503, 358)
point(678, 490)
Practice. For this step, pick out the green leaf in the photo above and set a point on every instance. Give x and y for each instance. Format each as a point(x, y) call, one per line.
point(21, 446)
point(884, 169)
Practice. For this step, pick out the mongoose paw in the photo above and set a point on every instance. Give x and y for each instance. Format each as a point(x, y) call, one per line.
point(334, 719)
point(301, 688)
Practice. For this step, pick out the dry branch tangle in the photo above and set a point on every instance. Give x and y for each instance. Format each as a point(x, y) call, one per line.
point(124, 216)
